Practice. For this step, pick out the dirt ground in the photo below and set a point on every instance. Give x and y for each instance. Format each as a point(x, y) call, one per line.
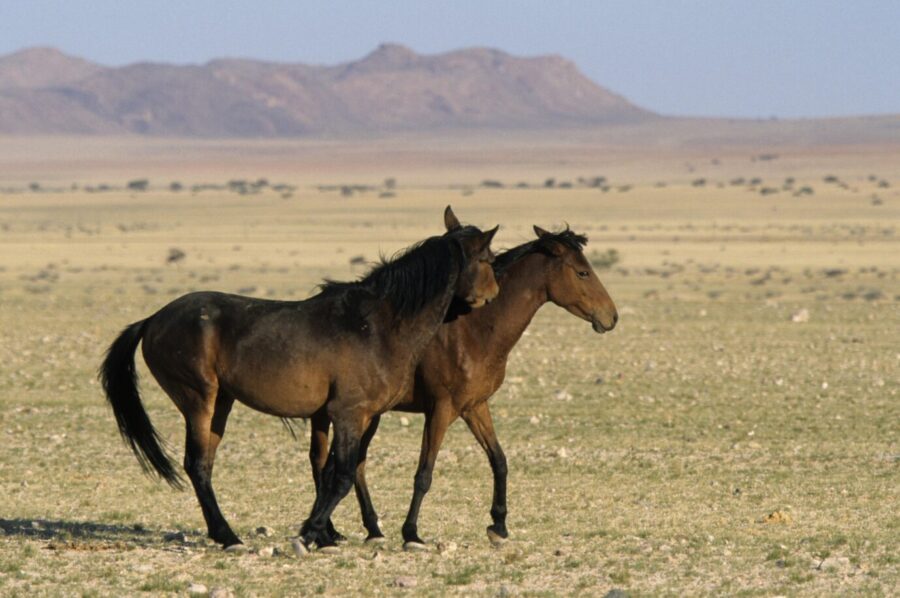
point(737, 434)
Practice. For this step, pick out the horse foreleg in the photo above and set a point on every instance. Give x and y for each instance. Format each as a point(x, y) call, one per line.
point(369, 516)
point(481, 424)
point(436, 424)
point(318, 454)
point(205, 428)
point(337, 479)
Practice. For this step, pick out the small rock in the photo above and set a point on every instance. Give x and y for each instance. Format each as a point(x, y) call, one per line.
point(777, 517)
point(267, 551)
point(404, 421)
point(616, 593)
point(175, 537)
point(562, 453)
point(834, 563)
point(562, 395)
point(197, 588)
point(299, 547)
point(221, 593)
point(800, 316)
point(405, 581)
point(266, 532)
point(535, 420)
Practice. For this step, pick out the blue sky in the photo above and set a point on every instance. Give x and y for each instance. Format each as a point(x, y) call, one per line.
point(793, 58)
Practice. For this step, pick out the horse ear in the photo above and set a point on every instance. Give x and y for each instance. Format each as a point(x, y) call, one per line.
point(539, 231)
point(450, 220)
point(488, 236)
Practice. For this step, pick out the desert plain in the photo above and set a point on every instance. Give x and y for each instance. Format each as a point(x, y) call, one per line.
point(738, 433)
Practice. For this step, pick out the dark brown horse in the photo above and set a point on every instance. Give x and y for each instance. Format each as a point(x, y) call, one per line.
point(348, 352)
point(465, 364)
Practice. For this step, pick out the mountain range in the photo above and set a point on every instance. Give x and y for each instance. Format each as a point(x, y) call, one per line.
point(44, 91)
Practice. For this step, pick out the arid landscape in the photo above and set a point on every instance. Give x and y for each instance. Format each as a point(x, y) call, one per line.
point(736, 434)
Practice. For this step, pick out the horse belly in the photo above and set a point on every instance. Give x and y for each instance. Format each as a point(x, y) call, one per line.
point(284, 392)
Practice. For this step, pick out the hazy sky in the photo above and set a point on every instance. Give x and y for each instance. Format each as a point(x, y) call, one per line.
point(755, 58)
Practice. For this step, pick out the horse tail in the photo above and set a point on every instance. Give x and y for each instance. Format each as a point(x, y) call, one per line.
point(120, 383)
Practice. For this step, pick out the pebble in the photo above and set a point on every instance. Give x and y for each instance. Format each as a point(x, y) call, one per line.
point(562, 453)
point(175, 537)
point(267, 551)
point(197, 588)
point(562, 395)
point(404, 421)
point(300, 549)
point(264, 531)
point(800, 316)
point(535, 420)
point(833, 563)
point(405, 581)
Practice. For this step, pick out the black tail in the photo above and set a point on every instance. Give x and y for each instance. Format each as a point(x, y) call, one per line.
point(119, 378)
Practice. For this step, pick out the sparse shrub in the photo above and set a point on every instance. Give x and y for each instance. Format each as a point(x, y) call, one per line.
point(175, 255)
point(491, 184)
point(549, 183)
point(390, 183)
point(768, 190)
point(737, 182)
point(34, 187)
point(755, 181)
point(883, 184)
point(605, 260)
point(698, 182)
point(138, 185)
point(175, 187)
point(565, 185)
point(346, 190)
point(831, 179)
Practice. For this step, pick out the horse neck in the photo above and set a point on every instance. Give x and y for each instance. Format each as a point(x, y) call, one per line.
point(523, 290)
point(414, 333)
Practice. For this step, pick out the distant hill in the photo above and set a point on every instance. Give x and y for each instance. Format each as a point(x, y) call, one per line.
point(43, 91)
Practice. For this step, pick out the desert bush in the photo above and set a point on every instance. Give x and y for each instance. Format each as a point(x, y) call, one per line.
point(138, 185)
point(175, 186)
point(606, 259)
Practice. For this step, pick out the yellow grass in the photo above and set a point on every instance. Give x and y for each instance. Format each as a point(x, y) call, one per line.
point(725, 449)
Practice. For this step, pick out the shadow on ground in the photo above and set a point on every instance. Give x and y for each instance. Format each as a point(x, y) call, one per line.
point(76, 533)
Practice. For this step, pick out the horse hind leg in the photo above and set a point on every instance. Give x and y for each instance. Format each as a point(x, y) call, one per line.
point(205, 427)
point(318, 453)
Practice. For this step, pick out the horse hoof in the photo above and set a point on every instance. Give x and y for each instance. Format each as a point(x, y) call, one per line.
point(330, 549)
point(299, 547)
point(376, 540)
point(495, 538)
point(236, 549)
point(414, 547)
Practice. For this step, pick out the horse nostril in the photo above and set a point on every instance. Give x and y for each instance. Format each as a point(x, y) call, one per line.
point(615, 318)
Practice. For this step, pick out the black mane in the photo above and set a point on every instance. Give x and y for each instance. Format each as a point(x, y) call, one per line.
point(567, 237)
point(413, 277)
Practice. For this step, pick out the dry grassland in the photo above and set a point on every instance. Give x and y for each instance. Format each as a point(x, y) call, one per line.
point(710, 445)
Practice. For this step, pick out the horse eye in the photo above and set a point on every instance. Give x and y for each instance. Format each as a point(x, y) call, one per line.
point(583, 274)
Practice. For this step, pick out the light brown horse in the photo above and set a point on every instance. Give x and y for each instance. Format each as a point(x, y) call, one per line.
point(348, 352)
point(465, 364)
